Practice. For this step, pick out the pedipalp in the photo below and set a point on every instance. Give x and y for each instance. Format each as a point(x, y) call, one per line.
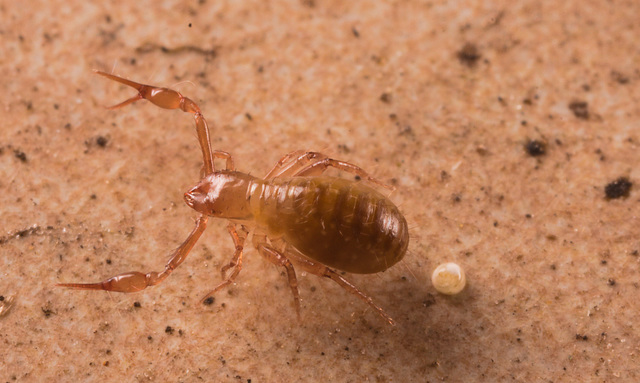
point(135, 281)
point(170, 99)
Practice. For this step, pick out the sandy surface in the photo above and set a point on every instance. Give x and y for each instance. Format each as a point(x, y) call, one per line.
point(440, 100)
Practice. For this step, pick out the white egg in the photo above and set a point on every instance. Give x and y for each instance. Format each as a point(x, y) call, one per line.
point(448, 278)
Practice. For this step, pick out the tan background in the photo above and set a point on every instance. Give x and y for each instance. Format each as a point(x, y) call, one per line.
point(86, 193)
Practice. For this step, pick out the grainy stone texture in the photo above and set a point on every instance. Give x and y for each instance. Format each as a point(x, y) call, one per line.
point(439, 99)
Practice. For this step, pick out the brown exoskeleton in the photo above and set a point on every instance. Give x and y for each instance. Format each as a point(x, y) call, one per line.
point(319, 223)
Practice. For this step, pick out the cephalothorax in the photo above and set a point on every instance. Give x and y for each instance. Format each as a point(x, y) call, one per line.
point(316, 222)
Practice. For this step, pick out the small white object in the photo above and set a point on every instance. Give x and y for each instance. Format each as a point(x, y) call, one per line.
point(448, 278)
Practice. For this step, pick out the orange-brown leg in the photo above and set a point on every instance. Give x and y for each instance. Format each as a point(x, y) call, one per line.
point(135, 281)
point(323, 271)
point(235, 263)
point(170, 99)
point(284, 164)
point(225, 156)
point(277, 258)
point(301, 163)
point(229, 165)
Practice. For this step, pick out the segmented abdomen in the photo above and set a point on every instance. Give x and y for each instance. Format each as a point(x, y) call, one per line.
point(343, 224)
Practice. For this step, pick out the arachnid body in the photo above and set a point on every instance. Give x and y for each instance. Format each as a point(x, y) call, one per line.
point(319, 223)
